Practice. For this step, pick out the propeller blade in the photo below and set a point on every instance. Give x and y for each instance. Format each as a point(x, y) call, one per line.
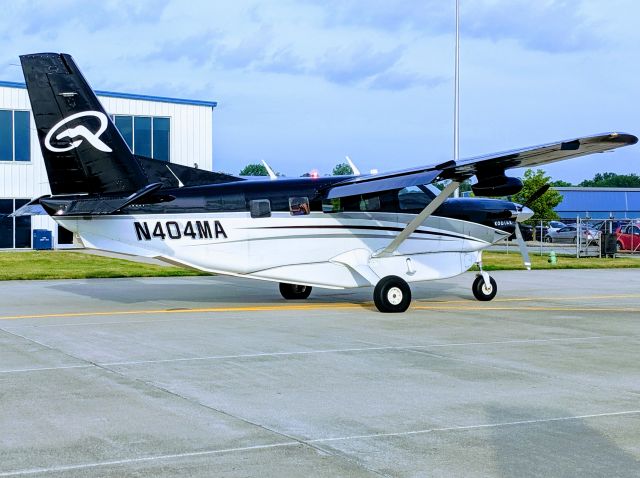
point(536, 195)
point(523, 248)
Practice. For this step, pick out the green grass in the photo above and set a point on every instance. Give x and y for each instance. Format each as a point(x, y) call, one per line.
point(29, 265)
point(501, 261)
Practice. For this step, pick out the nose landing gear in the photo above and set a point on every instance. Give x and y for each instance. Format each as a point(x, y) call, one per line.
point(484, 288)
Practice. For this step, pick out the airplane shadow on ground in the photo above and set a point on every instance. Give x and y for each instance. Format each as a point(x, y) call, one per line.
point(567, 448)
point(219, 291)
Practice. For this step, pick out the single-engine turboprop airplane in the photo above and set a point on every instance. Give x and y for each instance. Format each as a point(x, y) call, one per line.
point(382, 230)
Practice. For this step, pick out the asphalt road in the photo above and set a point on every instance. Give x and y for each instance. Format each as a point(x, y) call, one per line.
point(211, 376)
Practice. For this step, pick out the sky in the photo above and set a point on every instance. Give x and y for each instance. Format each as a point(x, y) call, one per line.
point(303, 83)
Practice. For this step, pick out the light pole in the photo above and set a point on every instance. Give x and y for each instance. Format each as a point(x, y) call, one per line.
point(456, 96)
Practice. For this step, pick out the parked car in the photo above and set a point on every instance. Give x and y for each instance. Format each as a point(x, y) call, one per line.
point(569, 234)
point(628, 237)
point(543, 229)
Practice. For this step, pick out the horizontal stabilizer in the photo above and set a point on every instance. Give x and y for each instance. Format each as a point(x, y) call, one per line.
point(32, 208)
point(94, 205)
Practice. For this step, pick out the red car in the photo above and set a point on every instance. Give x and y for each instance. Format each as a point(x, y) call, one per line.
point(629, 237)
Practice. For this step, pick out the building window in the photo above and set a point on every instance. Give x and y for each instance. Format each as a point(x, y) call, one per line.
point(14, 136)
point(146, 135)
point(14, 231)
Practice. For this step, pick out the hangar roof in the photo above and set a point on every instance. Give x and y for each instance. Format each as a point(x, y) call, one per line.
point(130, 96)
point(599, 202)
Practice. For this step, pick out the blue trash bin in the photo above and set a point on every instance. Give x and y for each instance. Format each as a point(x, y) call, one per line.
point(42, 239)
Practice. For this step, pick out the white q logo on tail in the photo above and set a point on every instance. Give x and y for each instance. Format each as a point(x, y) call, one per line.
point(80, 130)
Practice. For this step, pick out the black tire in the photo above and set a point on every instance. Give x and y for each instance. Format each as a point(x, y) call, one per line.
point(481, 291)
point(620, 246)
point(548, 239)
point(392, 294)
point(294, 291)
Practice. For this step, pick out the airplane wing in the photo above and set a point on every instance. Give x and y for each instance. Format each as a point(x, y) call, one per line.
point(539, 155)
point(488, 168)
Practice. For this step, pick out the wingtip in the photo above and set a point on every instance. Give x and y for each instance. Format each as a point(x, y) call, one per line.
point(625, 138)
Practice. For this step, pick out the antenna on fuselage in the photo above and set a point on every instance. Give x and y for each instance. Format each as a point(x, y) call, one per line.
point(353, 167)
point(180, 184)
point(270, 172)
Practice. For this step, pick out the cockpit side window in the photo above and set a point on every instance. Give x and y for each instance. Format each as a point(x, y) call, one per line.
point(260, 208)
point(414, 197)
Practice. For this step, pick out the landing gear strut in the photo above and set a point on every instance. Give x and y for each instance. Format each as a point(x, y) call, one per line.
point(294, 291)
point(392, 294)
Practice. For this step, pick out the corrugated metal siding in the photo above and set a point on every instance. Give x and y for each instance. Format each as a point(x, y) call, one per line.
point(599, 203)
point(191, 141)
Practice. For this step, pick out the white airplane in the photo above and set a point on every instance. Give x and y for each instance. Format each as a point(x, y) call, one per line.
point(378, 230)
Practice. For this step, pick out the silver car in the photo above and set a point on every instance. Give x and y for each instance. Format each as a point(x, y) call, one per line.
point(569, 234)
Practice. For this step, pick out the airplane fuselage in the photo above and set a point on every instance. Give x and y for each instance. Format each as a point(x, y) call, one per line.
point(218, 228)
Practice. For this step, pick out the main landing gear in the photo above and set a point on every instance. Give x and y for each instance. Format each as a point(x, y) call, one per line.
point(392, 294)
point(294, 291)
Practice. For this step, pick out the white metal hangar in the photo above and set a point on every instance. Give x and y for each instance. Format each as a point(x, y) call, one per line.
point(170, 129)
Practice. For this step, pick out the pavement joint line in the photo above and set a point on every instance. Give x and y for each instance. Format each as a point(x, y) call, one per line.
point(359, 349)
point(526, 299)
point(41, 369)
point(90, 363)
point(54, 469)
point(475, 427)
point(125, 461)
point(534, 309)
point(262, 308)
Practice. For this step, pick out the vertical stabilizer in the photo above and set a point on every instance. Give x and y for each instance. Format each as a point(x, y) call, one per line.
point(83, 151)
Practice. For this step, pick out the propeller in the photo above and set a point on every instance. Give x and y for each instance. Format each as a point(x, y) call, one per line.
point(524, 252)
point(537, 195)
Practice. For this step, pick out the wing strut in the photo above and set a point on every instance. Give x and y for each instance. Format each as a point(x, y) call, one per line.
point(418, 220)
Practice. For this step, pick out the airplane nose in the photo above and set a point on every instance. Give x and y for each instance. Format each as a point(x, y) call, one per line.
point(524, 213)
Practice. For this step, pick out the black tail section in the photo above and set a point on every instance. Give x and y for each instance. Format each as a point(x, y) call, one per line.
point(82, 149)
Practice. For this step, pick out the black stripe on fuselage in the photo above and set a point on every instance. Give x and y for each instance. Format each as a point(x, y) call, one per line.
point(370, 228)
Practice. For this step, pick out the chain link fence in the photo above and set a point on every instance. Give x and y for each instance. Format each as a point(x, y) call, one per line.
point(580, 237)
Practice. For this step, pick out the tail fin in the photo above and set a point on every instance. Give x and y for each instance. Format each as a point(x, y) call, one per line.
point(82, 149)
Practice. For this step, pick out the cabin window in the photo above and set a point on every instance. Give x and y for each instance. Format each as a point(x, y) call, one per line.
point(260, 208)
point(331, 205)
point(371, 203)
point(226, 202)
point(299, 206)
